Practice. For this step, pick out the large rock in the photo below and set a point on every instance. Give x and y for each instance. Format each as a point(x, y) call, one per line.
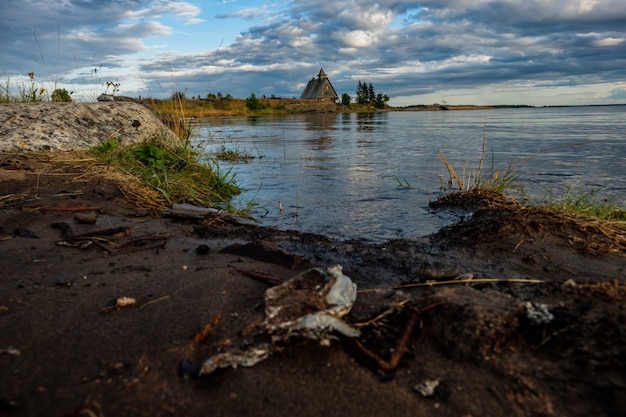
point(77, 126)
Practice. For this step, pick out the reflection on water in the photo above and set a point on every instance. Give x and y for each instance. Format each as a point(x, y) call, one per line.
point(371, 175)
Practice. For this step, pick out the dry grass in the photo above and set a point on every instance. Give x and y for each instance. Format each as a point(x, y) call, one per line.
point(611, 289)
point(86, 168)
point(79, 167)
point(497, 217)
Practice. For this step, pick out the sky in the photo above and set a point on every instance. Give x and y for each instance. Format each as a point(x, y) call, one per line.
point(482, 52)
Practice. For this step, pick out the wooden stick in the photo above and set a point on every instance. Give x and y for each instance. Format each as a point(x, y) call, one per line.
point(400, 348)
point(459, 281)
point(208, 328)
point(165, 297)
point(260, 276)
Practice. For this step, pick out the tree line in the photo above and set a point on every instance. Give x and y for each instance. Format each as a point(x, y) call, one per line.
point(365, 94)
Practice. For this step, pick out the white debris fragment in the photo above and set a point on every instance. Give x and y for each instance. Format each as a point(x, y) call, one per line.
point(570, 284)
point(464, 277)
point(427, 387)
point(125, 302)
point(538, 313)
point(235, 358)
point(11, 351)
point(311, 305)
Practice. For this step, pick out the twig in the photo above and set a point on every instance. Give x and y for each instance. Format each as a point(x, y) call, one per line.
point(165, 297)
point(73, 209)
point(253, 325)
point(208, 328)
point(459, 281)
point(384, 314)
point(564, 329)
point(267, 278)
point(400, 348)
point(136, 240)
point(101, 245)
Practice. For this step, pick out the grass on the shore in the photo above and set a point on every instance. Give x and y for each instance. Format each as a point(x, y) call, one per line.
point(494, 180)
point(176, 173)
point(477, 188)
point(225, 153)
point(586, 203)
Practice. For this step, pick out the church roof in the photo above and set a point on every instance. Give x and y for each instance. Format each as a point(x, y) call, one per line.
point(320, 88)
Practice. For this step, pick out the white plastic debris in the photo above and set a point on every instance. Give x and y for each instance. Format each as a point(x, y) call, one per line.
point(427, 387)
point(538, 313)
point(11, 351)
point(570, 284)
point(235, 358)
point(311, 305)
point(125, 302)
point(464, 277)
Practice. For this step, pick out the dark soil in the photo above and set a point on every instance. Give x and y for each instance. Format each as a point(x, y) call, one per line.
point(512, 346)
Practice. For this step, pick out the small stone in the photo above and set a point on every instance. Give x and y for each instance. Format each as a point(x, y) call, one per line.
point(89, 217)
point(188, 369)
point(202, 250)
point(106, 97)
point(20, 232)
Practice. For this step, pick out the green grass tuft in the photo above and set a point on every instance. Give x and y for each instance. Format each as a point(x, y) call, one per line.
point(587, 203)
point(177, 173)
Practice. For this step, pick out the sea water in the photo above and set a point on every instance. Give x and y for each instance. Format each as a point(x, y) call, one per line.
point(371, 175)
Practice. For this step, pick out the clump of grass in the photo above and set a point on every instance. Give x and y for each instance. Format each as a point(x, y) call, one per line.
point(612, 289)
point(29, 92)
point(586, 203)
point(480, 189)
point(223, 153)
point(494, 180)
point(175, 171)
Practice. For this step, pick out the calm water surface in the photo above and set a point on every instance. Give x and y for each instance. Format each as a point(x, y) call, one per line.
point(371, 176)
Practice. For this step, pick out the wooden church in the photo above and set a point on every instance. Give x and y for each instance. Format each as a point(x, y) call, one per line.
point(320, 89)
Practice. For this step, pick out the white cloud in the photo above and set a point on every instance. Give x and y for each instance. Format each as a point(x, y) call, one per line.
point(187, 11)
point(610, 41)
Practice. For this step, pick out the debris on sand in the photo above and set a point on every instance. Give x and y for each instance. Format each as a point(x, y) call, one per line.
point(120, 302)
point(538, 313)
point(427, 387)
point(208, 328)
point(310, 305)
point(237, 357)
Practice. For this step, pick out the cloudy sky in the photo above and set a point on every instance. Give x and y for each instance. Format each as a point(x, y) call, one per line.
point(538, 52)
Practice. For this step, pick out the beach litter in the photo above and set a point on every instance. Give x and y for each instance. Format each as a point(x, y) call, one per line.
point(310, 305)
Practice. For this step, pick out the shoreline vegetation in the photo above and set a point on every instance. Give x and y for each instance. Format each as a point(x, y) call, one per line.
point(485, 187)
point(179, 112)
point(200, 108)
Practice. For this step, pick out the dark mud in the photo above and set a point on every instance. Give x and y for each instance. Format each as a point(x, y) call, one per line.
point(515, 312)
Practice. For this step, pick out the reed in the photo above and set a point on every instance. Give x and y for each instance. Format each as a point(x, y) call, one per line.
point(494, 180)
point(492, 186)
